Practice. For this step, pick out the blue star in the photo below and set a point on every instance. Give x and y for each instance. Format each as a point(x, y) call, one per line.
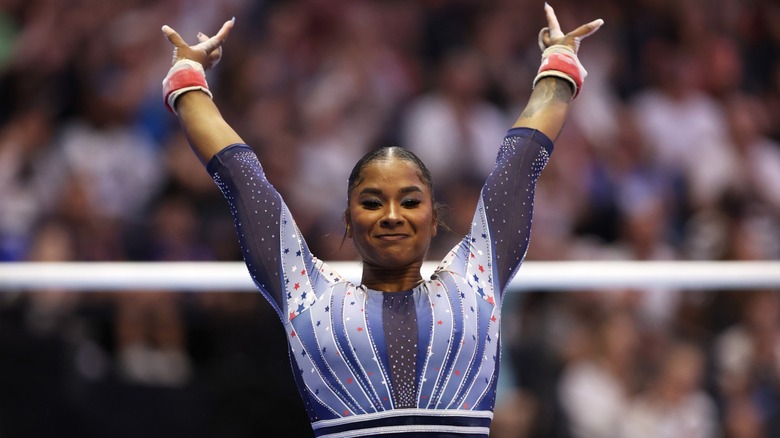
point(476, 279)
point(297, 253)
point(300, 308)
point(287, 250)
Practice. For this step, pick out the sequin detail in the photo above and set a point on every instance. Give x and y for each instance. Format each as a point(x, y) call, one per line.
point(356, 352)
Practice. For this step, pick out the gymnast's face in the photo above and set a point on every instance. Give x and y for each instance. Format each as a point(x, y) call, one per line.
point(390, 217)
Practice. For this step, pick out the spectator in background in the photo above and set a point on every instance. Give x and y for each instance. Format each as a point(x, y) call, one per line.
point(674, 404)
point(454, 127)
point(747, 363)
point(29, 178)
point(597, 383)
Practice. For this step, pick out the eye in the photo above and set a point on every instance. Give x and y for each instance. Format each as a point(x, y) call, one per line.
point(410, 203)
point(371, 204)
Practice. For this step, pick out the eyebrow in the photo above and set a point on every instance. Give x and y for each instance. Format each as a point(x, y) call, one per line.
point(403, 191)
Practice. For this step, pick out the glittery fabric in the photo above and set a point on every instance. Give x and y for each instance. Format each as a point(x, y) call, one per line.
point(358, 371)
point(400, 328)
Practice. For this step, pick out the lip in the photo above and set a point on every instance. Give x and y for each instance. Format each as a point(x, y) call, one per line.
point(392, 237)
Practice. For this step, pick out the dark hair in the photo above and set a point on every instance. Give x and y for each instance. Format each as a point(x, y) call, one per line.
point(385, 153)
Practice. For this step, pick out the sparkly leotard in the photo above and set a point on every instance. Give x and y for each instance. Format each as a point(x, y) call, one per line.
point(418, 363)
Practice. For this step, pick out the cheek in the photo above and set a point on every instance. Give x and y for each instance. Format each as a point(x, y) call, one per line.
point(357, 223)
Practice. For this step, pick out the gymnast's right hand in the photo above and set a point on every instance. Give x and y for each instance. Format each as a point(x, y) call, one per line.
point(206, 52)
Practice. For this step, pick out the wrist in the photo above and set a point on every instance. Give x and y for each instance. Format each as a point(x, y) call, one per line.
point(184, 76)
point(561, 62)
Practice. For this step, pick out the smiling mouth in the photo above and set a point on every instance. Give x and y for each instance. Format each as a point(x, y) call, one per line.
point(392, 237)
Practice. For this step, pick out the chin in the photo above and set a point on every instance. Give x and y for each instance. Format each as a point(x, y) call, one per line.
point(392, 262)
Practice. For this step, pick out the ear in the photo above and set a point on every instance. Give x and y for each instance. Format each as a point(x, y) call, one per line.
point(435, 224)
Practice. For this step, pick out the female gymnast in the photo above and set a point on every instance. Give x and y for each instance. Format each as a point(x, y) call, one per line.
point(396, 354)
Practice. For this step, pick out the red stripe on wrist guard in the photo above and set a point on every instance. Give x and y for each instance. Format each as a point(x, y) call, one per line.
point(562, 63)
point(182, 77)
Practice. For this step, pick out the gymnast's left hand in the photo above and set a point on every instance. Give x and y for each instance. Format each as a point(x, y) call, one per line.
point(553, 35)
point(208, 50)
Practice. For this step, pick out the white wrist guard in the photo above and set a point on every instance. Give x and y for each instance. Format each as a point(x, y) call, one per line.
point(562, 62)
point(185, 75)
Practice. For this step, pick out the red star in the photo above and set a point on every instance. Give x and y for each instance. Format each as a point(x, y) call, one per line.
point(457, 373)
point(472, 255)
point(292, 334)
point(297, 286)
point(360, 329)
point(303, 272)
point(491, 301)
point(493, 318)
point(481, 268)
point(292, 315)
point(349, 380)
point(346, 413)
point(465, 405)
point(440, 322)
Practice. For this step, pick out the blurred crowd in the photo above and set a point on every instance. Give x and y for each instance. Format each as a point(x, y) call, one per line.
point(671, 152)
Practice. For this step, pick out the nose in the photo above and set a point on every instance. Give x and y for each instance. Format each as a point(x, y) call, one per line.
point(392, 216)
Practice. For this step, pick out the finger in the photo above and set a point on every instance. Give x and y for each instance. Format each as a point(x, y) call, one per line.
point(209, 44)
point(225, 29)
point(552, 22)
point(587, 30)
point(173, 36)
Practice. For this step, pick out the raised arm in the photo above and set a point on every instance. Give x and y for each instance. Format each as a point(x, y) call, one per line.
point(501, 229)
point(559, 79)
point(205, 128)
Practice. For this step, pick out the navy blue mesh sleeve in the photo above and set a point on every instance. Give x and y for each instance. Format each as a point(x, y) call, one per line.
point(257, 210)
point(491, 253)
point(508, 196)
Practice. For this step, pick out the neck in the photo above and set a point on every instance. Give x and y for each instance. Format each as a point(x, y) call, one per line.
point(392, 279)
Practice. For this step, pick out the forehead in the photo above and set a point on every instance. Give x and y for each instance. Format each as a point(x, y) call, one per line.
point(391, 172)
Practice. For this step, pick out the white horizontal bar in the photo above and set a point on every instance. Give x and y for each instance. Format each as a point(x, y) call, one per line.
point(533, 275)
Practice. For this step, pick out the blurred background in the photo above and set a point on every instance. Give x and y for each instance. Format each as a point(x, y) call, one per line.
point(672, 152)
